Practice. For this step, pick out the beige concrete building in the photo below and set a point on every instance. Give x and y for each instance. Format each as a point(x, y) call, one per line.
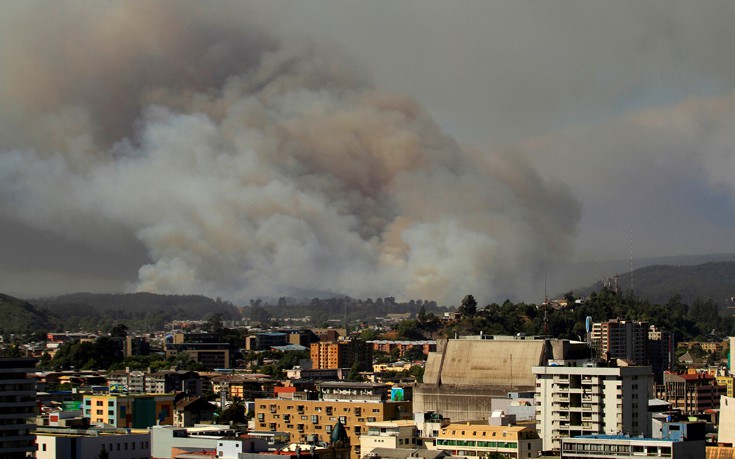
point(464, 375)
point(726, 430)
point(479, 440)
point(309, 421)
point(389, 434)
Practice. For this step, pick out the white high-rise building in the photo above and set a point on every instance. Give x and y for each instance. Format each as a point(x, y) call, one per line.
point(578, 400)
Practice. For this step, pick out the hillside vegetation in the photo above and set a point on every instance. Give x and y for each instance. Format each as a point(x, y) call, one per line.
point(20, 316)
point(142, 311)
point(659, 283)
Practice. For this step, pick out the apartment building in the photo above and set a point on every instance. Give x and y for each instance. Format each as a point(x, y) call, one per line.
point(312, 421)
point(341, 354)
point(578, 400)
point(205, 348)
point(692, 393)
point(620, 339)
point(17, 407)
point(480, 440)
point(129, 411)
point(388, 346)
point(660, 351)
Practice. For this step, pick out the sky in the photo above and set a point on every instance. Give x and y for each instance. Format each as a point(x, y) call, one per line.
point(416, 149)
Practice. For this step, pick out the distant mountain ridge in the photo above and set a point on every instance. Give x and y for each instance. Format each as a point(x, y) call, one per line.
point(138, 310)
point(19, 316)
point(659, 283)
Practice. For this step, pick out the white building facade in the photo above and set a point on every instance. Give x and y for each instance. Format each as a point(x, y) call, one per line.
point(578, 400)
point(74, 444)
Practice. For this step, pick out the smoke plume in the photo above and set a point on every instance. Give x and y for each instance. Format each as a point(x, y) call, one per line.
point(248, 164)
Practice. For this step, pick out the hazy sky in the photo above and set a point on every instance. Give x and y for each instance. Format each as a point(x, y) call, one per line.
point(418, 149)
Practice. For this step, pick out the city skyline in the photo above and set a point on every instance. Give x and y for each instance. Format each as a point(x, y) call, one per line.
point(419, 149)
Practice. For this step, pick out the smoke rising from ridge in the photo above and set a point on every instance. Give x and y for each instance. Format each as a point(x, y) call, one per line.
point(248, 164)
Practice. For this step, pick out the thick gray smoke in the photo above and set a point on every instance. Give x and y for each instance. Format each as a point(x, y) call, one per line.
point(248, 164)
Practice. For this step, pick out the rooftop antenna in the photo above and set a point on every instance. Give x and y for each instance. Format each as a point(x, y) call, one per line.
point(546, 305)
point(631, 259)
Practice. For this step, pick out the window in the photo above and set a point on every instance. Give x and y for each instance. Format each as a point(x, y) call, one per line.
point(343, 419)
point(100, 412)
point(314, 419)
point(43, 447)
point(99, 403)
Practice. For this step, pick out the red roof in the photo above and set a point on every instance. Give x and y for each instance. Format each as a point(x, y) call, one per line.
point(284, 389)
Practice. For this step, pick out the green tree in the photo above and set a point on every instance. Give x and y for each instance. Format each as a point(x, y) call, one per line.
point(409, 329)
point(214, 323)
point(417, 371)
point(468, 306)
point(234, 413)
point(259, 314)
point(119, 331)
point(354, 374)
point(414, 353)
point(369, 334)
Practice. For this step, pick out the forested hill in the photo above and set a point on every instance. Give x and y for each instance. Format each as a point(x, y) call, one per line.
point(94, 311)
point(658, 284)
point(20, 316)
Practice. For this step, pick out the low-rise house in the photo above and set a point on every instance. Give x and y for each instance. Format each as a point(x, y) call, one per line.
point(389, 434)
point(190, 411)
